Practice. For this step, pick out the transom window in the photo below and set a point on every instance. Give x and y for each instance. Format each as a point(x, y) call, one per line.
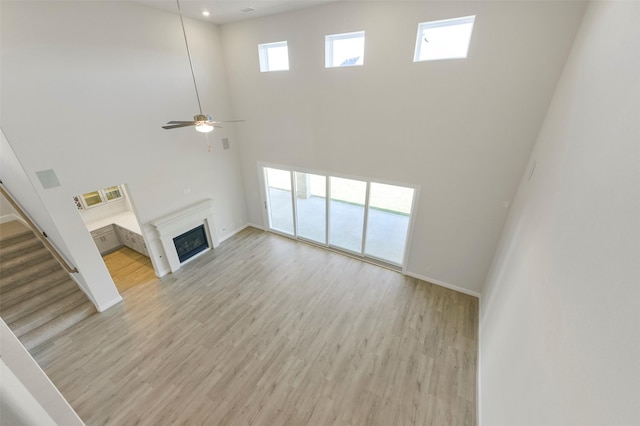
point(446, 39)
point(344, 50)
point(273, 56)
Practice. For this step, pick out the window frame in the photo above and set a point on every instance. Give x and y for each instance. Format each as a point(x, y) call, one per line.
point(263, 55)
point(266, 223)
point(328, 47)
point(471, 19)
point(101, 194)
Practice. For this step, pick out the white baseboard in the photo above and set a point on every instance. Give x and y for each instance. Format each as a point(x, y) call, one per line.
point(163, 272)
point(243, 227)
point(445, 285)
point(103, 307)
point(478, 370)
point(232, 233)
point(11, 217)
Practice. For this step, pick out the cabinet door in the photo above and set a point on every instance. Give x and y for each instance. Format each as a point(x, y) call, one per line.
point(100, 244)
point(111, 241)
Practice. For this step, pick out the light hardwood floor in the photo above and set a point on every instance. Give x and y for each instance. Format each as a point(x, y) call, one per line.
point(128, 268)
point(268, 331)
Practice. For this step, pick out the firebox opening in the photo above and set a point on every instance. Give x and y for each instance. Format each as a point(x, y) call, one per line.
point(191, 243)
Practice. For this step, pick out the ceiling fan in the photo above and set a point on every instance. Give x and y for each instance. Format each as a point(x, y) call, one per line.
point(203, 123)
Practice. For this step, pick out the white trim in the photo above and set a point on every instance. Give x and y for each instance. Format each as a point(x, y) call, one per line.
point(103, 307)
point(465, 20)
point(262, 181)
point(232, 233)
point(34, 379)
point(162, 272)
point(255, 225)
point(412, 221)
point(328, 48)
point(478, 364)
point(445, 285)
point(10, 218)
point(263, 55)
point(178, 222)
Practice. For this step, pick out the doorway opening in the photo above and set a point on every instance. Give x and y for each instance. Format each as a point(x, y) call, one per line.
point(110, 218)
point(357, 216)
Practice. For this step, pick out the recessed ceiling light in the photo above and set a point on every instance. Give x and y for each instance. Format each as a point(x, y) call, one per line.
point(205, 13)
point(248, 9)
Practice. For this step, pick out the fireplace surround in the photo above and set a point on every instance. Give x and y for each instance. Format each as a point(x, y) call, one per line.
point(177, 224)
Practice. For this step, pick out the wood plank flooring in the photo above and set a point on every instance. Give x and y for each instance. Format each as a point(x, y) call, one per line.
point(265, 330)
point(128, 268)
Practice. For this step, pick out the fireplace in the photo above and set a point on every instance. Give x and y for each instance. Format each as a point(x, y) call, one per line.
point(191, 243)
point(184, 234)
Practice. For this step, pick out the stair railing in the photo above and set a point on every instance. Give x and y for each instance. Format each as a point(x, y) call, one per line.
point(41, 235)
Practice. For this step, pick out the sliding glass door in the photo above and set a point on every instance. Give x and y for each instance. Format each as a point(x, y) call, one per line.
point(388, 221)
point(361, 217)
point(346, 213)
point(311, 206)
point(278, 183)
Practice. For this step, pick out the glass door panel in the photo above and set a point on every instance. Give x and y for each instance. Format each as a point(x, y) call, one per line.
point(92, 198)
point(279, 200)
point(311, 206)
point(346, 213)
point(388, 221)
point(112, 193)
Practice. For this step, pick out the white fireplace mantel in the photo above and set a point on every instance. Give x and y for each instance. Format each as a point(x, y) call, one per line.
point(181, 221)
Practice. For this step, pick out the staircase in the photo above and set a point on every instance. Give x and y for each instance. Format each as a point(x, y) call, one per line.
point(38, 298)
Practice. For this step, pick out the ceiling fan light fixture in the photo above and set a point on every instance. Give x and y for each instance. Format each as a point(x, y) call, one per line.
point(204, 128)
point(203, 123)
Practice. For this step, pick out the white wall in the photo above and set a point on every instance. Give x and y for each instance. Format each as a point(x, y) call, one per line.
point(99, 79)
point(560, 310)
point(7, 212)
point(27, 396)
point(461, 129)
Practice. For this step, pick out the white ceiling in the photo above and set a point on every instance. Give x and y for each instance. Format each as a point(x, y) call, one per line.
point(225, 11)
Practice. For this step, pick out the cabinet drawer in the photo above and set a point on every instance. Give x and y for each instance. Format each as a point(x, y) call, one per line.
point(106, 239)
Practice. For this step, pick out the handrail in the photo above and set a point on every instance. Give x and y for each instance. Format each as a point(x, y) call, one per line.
point(41, 236)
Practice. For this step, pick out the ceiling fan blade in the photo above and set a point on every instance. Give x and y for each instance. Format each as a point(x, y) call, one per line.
point(228, 121)
point(175, 126)
point(179, 122)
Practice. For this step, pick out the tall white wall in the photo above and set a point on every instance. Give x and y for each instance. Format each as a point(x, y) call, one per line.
point(27, 396)
point(7, 212)
point(461, 129)
point(86, 87)
point(560, 311)
point(101, 292)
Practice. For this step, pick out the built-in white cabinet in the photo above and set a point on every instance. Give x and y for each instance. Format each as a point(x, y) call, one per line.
point(99, 197)
point(106, 239)
point(132, 240)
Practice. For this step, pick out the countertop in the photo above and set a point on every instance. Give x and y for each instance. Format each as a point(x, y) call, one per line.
point(126, 220)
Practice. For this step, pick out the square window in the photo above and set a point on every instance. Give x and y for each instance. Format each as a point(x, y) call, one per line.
point(446, 39)
point(273, 56)
point(344, 50)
